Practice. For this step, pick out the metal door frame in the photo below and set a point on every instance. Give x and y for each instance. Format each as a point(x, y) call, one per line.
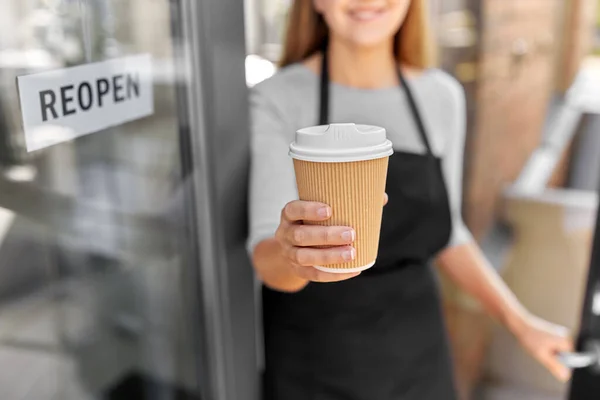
point(212, 55)
point(585, 384)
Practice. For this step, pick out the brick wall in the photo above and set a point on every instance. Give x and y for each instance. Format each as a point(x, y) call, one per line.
point(515, 80)
point(577, 41)
point(527, 51)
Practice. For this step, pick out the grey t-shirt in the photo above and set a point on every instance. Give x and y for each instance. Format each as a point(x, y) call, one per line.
point(290, 100)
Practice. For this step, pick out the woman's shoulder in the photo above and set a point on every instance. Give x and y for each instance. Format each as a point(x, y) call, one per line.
point(286, 94)
point(293, 78)
point(441, 84)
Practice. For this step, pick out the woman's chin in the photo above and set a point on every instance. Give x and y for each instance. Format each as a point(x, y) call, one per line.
point(370, 41)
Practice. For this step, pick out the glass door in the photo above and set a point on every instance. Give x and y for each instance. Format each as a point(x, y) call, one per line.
point(114, 279)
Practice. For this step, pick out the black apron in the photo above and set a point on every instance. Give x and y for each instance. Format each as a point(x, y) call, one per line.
point(381, 335)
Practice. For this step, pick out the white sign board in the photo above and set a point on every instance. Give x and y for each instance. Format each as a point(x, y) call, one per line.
point(63, 104)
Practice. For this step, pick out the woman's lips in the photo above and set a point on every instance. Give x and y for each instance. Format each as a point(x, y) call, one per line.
point(366, 15)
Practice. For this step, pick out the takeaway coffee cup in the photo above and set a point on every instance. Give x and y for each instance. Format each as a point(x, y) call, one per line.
point(345, 166)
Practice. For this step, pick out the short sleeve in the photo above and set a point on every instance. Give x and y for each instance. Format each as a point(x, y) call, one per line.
point(272, 178)
point(452, 161)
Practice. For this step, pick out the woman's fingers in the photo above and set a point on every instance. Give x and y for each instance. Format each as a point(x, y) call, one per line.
point(563, 344)
point(314, 275)
point(315, 235)
point(553, 364)
point(309, 256)
point(299, 210)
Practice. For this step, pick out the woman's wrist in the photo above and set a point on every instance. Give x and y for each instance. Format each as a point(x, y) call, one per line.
point(291, 284)
point(516, 320)
point(274, 270)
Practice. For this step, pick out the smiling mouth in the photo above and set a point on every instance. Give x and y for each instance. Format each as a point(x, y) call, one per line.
point(366, 15)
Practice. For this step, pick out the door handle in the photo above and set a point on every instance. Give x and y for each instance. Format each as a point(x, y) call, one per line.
point(578, 360)
point(588, 358)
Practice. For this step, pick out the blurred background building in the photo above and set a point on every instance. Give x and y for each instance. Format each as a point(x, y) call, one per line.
point(122, 264)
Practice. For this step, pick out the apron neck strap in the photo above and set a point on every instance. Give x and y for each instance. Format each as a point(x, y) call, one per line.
point(324, 88)
point(414, 109)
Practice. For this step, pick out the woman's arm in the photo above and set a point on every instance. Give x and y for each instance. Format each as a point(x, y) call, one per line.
point(468, 268)
point(465, 264)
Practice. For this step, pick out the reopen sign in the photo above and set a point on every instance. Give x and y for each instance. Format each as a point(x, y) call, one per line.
point(63, 104)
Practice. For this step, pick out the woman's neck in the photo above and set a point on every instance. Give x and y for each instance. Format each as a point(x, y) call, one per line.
point(362, 67)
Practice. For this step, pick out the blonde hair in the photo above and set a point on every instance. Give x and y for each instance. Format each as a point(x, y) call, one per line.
point(307, 33)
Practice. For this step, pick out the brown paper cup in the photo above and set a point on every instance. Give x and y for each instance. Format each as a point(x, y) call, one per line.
point(355, 192)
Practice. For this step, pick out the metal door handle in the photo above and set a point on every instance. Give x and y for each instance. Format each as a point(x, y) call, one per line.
point(578, 360)
point(588, 358)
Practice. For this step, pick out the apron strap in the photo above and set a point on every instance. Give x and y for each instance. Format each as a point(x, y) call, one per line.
point(324, 100)
point(414, 109)
point(324, 88)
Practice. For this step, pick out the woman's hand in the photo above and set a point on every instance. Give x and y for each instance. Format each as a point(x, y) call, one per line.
point(467, 266)
point(544, 341)
point(297, 241)
point(286, 262)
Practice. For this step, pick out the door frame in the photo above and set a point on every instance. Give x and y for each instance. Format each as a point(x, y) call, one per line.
point(585, 384)
point(210, 60)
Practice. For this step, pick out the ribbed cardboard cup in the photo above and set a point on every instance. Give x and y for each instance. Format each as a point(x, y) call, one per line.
point(345, 166)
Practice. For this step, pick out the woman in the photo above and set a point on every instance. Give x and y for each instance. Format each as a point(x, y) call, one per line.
point(377, 335)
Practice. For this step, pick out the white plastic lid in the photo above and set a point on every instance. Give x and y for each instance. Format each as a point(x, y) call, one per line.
point(340, 143)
